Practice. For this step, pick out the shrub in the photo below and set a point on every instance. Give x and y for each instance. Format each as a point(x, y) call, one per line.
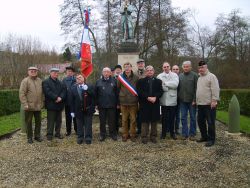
point(9, 102)
point(243, 96)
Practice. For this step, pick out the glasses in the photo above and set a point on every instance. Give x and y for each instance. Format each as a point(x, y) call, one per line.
point(175, 69)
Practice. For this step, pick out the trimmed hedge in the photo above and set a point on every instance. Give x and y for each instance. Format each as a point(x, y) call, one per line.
point(243, 96)
point(9, 102)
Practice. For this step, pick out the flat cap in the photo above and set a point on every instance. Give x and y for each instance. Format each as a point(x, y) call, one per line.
point(32, 68)
point(54, 70)
point(140, 60)
point(201, 63)
point(118, 67)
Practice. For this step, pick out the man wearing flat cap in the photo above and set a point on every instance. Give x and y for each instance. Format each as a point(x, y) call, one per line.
point(31, 97)
point(69, 81)
point(207, 95)
point(55, 94)
point(141, 73)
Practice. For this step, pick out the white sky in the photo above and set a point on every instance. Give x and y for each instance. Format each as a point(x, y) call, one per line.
point(41, 18)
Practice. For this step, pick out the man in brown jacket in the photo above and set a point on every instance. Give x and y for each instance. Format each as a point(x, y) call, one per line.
point(126, 85)
point(31, 97)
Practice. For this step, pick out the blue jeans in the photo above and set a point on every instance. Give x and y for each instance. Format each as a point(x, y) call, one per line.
point(185, 108)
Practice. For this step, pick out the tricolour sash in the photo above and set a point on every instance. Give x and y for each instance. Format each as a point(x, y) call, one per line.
point(127, 85)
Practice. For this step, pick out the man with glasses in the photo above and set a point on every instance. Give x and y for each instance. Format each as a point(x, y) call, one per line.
point(176, 69)
point(31, 97)
point(149, 91)
point(55, 94)
point(168, 100)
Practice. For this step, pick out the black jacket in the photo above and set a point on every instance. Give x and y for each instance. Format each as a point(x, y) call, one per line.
point(149, 112)
point(106, 93)
point(53, 89)
point(82, 102)
point(68, 82)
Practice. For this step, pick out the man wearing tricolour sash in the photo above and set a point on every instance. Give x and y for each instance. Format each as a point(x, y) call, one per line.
point(128, 99)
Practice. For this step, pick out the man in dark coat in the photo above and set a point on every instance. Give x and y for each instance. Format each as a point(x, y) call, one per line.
point(69, 81)
point(82, 108)
point(55, 94)
point(106, 99)
point(149, 91)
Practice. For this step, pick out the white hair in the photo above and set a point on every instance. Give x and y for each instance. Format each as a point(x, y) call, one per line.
point(106, 69)
point(149, 67)
point(187, 63)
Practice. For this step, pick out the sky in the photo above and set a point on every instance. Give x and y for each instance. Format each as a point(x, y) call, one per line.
point(41, 18)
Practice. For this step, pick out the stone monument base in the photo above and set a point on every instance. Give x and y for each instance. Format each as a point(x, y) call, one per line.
point(128, 52)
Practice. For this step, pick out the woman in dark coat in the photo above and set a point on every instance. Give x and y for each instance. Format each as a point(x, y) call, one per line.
point(149, 91)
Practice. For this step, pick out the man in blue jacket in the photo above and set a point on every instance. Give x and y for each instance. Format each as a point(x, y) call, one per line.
point(106, 98)
point(69, 81)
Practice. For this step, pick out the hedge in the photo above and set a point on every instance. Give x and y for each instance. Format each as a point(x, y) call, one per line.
point(9, 102)
point(243, 96)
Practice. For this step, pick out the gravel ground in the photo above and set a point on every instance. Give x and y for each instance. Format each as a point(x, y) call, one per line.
point(64, 163)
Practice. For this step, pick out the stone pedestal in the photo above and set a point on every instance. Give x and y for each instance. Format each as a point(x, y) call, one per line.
point(128, 52)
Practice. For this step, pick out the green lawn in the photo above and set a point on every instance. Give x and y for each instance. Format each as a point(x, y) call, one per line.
point(12, 122)
point(244, 120)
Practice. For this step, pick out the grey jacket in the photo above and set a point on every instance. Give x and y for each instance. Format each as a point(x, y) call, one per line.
point(187, 87)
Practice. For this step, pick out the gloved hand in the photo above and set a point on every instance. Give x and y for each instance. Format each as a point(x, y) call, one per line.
point(72, 114)
point(85, 87)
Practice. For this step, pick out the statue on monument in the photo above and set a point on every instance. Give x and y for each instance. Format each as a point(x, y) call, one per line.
point(127, 22)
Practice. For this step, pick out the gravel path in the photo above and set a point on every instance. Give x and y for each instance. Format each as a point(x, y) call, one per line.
point(63, 163)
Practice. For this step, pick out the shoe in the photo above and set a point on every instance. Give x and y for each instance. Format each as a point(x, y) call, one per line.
point(102, 138)
point(68, 134)
point(38, 139)
point(174, 137)
point(88, 141)
point(30, 141)
point(209, 144)
point(184, 138)
point(144, 141)
point(49, 138)
point(79, 142)
point(153, 140)
point(124, 139)
point(163, 137)
point(133, 139)
point(114, 138)
point(138, 132)
point(192, 138)
point(201, 140)
point(59, 136)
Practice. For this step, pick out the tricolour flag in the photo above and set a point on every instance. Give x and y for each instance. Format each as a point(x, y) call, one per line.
point(86, 56)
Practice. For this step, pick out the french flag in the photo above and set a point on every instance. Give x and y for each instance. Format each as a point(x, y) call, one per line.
point(86, 56)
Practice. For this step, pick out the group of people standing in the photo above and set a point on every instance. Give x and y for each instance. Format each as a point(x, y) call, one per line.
point(139, 96)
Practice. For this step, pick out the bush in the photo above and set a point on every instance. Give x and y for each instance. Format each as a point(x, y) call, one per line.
point(9, 102)
point(243, 96)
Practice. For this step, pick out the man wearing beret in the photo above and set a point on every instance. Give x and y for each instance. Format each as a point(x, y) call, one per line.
point(31, 97)
point(69, 81)
point(55, 94)
point(207, 95)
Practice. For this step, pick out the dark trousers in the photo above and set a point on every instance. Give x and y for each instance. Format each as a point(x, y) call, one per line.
point(107, 115)
point(84, 127)
point(138, 122)
point(168, 118)
point(69, 120)
point(28, 120)
point(145, 130)
point(54, 121)
point(206, 121)
point(117, 119)
point(177, 119)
